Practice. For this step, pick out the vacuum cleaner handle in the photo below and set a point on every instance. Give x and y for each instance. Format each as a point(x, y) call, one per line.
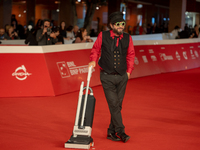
point(91, 91)
point(86, 94)
point(79, 103)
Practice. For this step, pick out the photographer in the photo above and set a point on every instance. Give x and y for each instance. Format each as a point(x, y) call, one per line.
point(11, 34)
point(45, 36)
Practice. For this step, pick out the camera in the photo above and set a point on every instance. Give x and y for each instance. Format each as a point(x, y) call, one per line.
point(48, 31)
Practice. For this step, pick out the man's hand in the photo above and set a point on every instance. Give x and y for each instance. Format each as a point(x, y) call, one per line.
point(44, 30)
point(12, 35)
point(15, 33)
point(128, 74)
point(92, 63)
point(53, 35)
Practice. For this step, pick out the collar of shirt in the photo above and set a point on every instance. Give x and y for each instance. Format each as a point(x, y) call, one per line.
point(112, 34)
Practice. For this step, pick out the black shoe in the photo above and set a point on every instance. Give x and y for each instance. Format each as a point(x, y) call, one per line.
point(124, 138)
point(113, 137)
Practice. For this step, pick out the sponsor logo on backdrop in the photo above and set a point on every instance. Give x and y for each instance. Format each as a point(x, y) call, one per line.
point(192, 54)
point(68, 69)
point(64, 72)
point(162, 47)
point(153, 57)
point(136, 61)
point(185, 55)
point(178, 56)
point(164, 57)
point(145, 59)
point(196, 54)
point(141, 50)
point(151, 51)
point(21, 73)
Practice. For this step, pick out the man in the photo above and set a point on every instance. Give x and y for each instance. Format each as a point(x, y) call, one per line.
point(75, 30)
point(45, 36)
point(2, 33)
point(116, 64)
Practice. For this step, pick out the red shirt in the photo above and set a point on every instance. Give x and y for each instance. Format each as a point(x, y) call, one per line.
point(96, 50)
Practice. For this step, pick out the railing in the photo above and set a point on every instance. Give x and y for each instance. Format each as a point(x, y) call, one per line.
point(162, 36)
point(58, 69)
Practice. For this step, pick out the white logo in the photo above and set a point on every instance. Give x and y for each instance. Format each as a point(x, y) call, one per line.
point(141, 50)
point(192, 55)
point(153, 57)
point(68, 69)
point(151, 51)
point(136, 61)
point(196, 53)
point(145, 59)
point(162, 47)
point(21, 73)
point(63, 69)
point(178, 56)
point(164, 57)
point(185, 55)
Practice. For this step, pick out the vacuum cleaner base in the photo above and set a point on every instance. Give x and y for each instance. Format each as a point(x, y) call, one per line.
point(79, 142)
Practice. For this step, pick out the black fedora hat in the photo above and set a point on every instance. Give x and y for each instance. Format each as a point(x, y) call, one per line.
point(116, 17)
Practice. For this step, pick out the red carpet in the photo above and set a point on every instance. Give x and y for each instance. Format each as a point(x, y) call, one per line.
point(160, 112)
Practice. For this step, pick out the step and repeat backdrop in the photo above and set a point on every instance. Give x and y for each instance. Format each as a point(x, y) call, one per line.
point(58, 69)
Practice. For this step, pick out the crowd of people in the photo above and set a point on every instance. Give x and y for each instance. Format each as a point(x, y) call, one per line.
point(177, 33)
point(45, 33)
point(147, 29)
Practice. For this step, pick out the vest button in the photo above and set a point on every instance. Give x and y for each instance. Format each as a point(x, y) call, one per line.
point(114, 55)
point(114, 66)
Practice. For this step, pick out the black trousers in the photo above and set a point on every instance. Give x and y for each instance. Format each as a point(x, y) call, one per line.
point(114, 88)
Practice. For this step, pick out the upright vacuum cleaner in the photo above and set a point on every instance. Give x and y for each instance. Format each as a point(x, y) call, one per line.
point(81, 136)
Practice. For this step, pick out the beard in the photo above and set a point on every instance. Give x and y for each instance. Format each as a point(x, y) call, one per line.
point(118, 32)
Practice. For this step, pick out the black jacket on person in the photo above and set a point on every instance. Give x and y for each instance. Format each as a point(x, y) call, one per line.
point(45, 39)
point(30, 39)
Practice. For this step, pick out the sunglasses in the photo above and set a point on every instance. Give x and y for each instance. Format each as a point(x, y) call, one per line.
point(120, 23)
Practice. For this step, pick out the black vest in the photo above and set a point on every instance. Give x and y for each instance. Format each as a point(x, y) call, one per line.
point(113, 61)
